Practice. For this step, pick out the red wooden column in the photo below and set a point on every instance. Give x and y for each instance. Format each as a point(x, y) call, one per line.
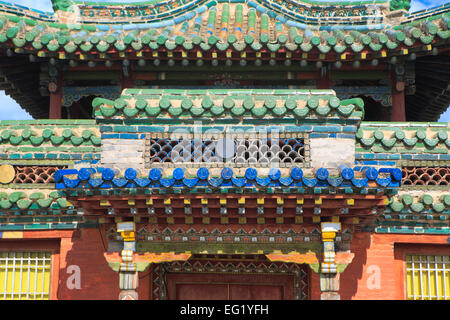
point(55, 111)
point(324, 81)
point(398, 99)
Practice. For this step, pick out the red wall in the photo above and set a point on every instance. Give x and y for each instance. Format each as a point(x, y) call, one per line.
point(98, 280)
point(84, 248)
point(386, 253)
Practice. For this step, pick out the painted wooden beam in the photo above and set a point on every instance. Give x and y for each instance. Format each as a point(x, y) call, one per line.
point(98, 67)
point(306, 76)
point(355, 75)
point(363, 67)
point(295, 67)
point(250, 76)
point(92, 75)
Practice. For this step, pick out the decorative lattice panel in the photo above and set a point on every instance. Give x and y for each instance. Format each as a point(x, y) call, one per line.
point(232, 151)
point(416, 176)
point(36, 174)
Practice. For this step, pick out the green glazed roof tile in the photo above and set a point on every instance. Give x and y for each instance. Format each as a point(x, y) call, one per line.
point(419, 204)
point(184, 31)
point(391, 137)
point(38, 133)
point(34, 201)
point(228, 103)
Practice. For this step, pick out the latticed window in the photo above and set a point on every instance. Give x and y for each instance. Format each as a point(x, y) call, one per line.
point(432, 176)
point(25, 275)
point(428, 277)
point(244, 151)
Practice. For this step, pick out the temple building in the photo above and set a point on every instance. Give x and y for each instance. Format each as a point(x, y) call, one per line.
point(225, 149)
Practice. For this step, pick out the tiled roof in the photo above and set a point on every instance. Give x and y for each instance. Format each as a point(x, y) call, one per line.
point(401, 138)
point(49, 139)
point(35, 200)
point(219, 26)
point(416, 212)
point(311, 12)
point(350, 178)
point(425, 203)
point(220, 103)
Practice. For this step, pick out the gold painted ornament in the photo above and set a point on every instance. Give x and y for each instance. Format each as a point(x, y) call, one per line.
point(7, 173)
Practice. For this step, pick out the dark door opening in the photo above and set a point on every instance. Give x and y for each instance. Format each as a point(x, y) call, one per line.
point(204, 286)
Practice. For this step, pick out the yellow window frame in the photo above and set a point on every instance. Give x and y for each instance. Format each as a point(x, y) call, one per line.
point(25, 275)
point(427, 277)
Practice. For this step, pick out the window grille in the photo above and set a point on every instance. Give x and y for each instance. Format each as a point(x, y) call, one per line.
point(25, 275)
point(428, 277)
point(36, 174)
point(432, 176)
point(243, 151)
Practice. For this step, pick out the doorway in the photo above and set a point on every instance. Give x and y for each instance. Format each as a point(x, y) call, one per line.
point(233, 277)
point(204, 286)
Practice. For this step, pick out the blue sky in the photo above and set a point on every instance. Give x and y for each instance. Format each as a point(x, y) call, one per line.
point(10, 110)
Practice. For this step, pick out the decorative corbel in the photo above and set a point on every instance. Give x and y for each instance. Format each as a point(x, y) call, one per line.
point(128, 275)
point(329, 276)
